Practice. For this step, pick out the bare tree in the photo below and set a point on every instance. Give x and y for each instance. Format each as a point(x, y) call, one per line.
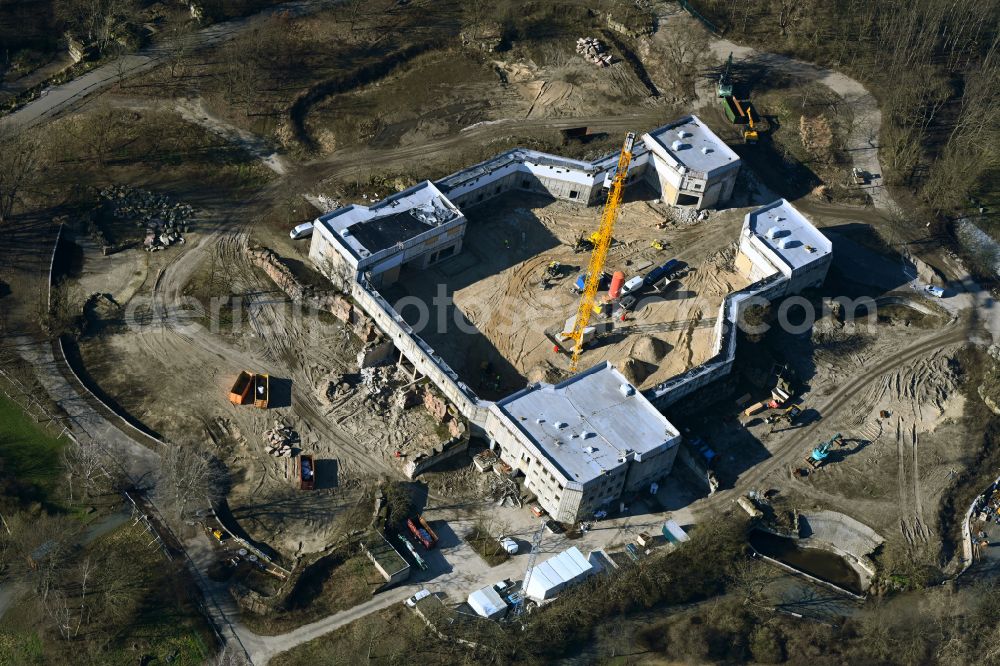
point(187, 477)
point(21, 159)
point(683, 56)
point(87, 466)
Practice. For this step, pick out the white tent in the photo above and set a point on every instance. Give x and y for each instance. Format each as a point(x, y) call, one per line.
point(488, 603)
point(555, 574)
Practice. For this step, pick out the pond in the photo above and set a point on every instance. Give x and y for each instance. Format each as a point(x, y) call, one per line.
point(821, 564)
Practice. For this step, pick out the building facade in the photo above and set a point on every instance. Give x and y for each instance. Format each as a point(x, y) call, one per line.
point(583, 443)
point(690, 165)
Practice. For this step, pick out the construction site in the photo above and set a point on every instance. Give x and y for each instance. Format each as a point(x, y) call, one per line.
point(425, 374)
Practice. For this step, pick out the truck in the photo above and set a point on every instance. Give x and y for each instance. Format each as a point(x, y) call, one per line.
point(307, 472)
point(734, 110)
point(422, 532)
point(660, 272)
point(262, 391)
point(240, 393)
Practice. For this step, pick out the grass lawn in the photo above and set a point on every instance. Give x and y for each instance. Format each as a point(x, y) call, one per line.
point(29, 454)
point(391, 636)
point(328, 586)
point(487, 547)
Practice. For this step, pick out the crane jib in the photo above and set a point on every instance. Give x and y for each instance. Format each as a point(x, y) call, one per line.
point(600, 252)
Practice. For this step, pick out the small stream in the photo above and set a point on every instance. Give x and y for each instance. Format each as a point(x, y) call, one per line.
point(821, 564)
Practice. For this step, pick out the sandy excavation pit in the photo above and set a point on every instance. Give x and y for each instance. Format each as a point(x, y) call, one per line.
point(495, 328)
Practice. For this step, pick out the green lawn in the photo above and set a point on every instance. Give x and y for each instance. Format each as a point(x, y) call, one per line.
point(29, 454)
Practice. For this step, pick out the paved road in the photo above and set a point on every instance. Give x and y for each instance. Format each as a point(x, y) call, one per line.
point(71, 94)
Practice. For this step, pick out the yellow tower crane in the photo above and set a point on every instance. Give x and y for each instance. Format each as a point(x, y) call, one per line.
point(600, 251)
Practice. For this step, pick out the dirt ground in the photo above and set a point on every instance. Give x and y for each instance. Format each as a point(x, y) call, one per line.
point(432, 114)
point(176, 378)
point(507, 319)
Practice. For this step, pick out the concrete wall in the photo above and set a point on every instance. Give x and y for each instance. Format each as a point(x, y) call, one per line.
point(667, 393)
point(569, 180)
point(421, 355)
point(424, 461)
point(652, 467)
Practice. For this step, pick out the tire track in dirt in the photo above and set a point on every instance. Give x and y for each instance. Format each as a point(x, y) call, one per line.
point(841, 397)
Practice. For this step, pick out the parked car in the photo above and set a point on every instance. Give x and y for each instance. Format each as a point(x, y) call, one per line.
point(304, 230)
point(537, 510)
point(509, 545)
point(859, 176)
point(553, 527)
point(936, 292)
point(421, 594)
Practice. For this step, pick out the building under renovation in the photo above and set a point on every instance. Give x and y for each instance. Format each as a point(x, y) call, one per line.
point(689, 165)
point(778, 237)
point(581, 443)
point(416, 227)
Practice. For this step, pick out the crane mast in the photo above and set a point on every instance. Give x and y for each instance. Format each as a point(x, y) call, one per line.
point(536, 545)
point(600, 253)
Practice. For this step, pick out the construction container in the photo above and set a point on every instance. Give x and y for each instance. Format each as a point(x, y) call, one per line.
point(734, 111)
point(240, 393)
point(262, 391)
point(617, 281)
point(307, 473)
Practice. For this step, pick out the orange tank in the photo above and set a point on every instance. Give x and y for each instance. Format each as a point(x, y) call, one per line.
point(617, 280)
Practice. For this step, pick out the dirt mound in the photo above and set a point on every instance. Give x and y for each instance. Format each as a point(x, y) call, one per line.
point(649, 349)
point(635, 371)
point(545, 372)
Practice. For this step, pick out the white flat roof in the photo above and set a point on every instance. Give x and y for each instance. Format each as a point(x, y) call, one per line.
point(557, 572)
point(487, 602)
point(585, 424)
point(787, 233)
point(365, 230)
point(692, 144)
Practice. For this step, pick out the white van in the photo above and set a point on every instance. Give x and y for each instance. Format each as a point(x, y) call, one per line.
point(422, 594)
point(631, 285)
point(304, 230)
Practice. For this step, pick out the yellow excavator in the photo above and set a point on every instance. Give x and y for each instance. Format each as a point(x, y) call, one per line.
point(749, 132)
point(602, 242)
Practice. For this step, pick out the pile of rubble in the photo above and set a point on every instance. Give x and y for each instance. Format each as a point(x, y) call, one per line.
point(339, 386)
point(678, 215)
point(503, 491)
point(377, 382)
point(269, 262)
point(279, 440)
point(164, 220)
point(595, 51)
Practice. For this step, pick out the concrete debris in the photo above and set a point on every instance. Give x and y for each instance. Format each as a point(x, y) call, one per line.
point(279, 440)
point(164, 220)
point(377, 382)
point(336, 304)
point(271, 263)
point(595, 51)
point(503, 490)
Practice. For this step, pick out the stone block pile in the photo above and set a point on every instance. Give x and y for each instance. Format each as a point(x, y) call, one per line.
point(594, 50)
point(279, 440)
point(164, 220)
